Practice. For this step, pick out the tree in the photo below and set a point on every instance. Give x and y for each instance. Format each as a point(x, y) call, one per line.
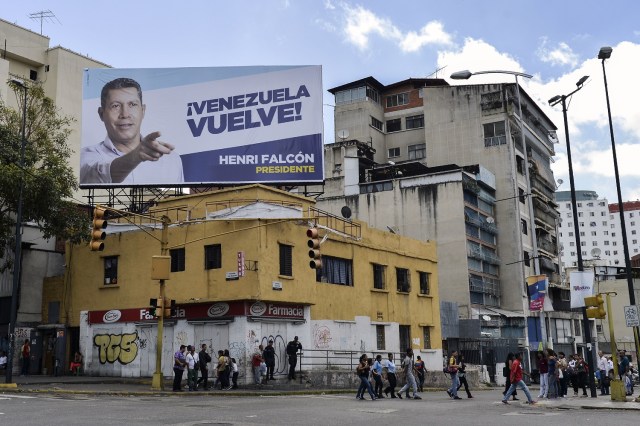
point(48, 179)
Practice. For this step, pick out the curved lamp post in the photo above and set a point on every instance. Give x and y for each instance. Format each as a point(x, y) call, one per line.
point(576, 229)
point(18, 248)
point(604, 54)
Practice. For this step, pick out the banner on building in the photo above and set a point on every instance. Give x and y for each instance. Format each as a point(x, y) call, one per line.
point(537, 285)
point(186, 126)
point(581, 286)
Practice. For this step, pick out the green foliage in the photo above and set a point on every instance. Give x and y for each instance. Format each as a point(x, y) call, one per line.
point(48, 179)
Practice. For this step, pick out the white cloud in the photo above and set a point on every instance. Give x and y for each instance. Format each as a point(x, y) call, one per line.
point(432, 33)
point(362, 23)
point(329, 5)
point(477, 55)
point(562, 54)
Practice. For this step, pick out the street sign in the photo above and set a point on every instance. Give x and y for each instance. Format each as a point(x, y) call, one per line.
point(229, 276)
point(632, 316)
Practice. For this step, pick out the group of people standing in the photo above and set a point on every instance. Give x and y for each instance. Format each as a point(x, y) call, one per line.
point(186, 358)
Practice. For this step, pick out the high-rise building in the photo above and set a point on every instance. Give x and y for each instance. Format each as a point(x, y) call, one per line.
point(600, 228)
point(450, 164)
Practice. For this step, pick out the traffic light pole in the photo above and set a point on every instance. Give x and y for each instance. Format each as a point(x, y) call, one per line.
point(157, 382)
point(617, 386)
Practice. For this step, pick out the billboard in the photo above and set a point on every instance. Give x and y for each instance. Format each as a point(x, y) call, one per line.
point(191, 126)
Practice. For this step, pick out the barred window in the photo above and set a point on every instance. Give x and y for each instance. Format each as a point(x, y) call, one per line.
point(403, 280)
point(286, 260)
point(111, 270)
point(425, 287)
point(378, 276)
point(177, 259)
point(213, 256)
point(380, 337)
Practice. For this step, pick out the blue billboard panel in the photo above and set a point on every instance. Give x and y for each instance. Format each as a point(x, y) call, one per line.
point(187, 126)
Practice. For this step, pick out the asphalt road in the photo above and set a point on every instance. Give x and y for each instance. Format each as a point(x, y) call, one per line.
point(193, 409)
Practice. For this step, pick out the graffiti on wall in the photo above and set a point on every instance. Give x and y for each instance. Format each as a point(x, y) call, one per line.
point(321, 337)
point(280, 347)
point(238, 350)
point(116, 347)
point(182, 338)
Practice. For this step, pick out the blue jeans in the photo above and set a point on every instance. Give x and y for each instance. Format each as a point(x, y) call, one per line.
point(365, 384)
point(455, 381)
point(512, 389)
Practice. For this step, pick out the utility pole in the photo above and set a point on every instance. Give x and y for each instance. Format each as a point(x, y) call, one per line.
point(160, 270)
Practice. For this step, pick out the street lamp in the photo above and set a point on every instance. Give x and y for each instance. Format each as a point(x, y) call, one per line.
point(18, 248)
point(604, 54)
point(576, 229)
point(465, 75)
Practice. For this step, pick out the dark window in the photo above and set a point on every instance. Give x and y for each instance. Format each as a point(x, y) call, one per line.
point(404, 333)
point(527, 260)
point(415, 121)
point(54, 312)
point(494, 134)
point(402, 277)
point(177, 259)
point(394, 125)
point(33, 75)
point(111, 270)
point(424, 283)
point(520, 165)
point(394, 152)
point(335, 270)
point(397, 100)
point(213, 256)
point(523, 225)
point(521, 195)
point(417, 151)
point(426, 335)
point(376, 123)
point(286, 260)
point(378, 276)
point(380, 343)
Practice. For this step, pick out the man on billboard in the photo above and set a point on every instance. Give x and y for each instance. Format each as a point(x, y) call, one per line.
point(126, 156)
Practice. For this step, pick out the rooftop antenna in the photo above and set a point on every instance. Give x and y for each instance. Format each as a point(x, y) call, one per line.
point(44, 15)
point(436, 72)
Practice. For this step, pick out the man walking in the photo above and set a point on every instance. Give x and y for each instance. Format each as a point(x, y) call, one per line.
point(292, 352)
point(516, 381)
point(256, 360)
point(407, 363)
point(179, 362)
point(205, 359)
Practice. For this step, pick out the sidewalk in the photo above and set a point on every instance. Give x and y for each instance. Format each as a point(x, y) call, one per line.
point(142, 387)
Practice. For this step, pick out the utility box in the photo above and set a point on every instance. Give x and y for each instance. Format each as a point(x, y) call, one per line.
point(160, 267)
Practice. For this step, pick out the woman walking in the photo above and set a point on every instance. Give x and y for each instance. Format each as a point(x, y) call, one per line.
point(362, 370)
point(462, 376)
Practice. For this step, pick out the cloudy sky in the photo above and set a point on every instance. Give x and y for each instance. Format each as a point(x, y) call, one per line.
point(557, 42)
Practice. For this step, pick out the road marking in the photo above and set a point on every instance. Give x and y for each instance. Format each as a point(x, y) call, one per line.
point(530, 413)
point(7, 396)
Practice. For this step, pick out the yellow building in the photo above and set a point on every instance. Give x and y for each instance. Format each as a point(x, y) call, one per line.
point(241, 276)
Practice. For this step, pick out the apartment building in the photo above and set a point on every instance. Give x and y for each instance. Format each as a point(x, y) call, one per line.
point(600, 228)
point(397, 148)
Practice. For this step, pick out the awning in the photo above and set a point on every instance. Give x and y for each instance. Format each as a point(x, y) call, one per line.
point(504, 312)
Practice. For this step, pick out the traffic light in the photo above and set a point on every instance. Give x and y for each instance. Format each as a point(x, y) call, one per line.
point(169, 308)
point(156, 307)
point(173, 310)
point(314, 248)
point(99, 225)
point(595, 307)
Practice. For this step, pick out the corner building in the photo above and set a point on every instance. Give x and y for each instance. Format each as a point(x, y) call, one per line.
point(449, 164)
point(240, 275)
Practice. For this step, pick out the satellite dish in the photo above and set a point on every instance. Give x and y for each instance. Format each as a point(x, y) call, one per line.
point(486, 317)
point(490, 219)
point(595, 252)
point(346, 212)
point(343, 134)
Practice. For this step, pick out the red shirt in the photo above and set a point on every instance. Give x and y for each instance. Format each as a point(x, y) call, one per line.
point(516, 371)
